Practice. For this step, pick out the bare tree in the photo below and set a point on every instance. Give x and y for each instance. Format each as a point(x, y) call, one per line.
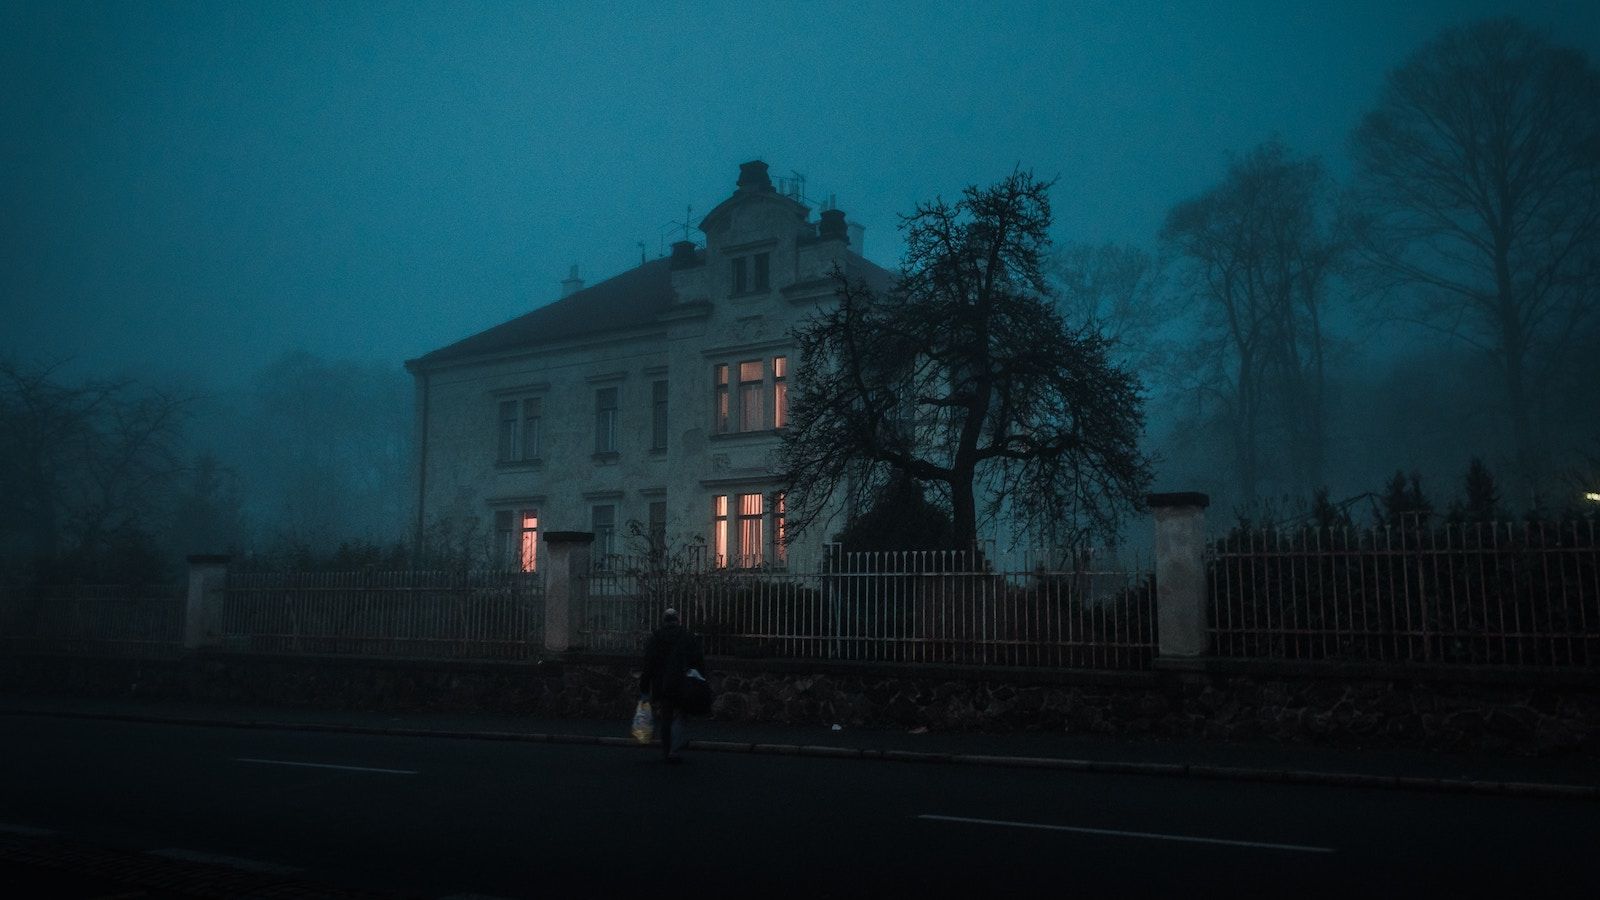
point(1117, 290)
point(965, 377)
point(1479, 183)
point(1259, 252)
point(84, 461)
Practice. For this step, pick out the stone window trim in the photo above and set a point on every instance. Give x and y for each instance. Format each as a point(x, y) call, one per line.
point(604, 377)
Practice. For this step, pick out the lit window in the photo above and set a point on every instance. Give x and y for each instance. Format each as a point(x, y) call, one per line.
point(722, 399)
point(750, 546)
point(780, 392)
point(719, 530)
point(750, 377)
point(780, 533)
point(605, 420)
point(658, 416)
point(517, 539)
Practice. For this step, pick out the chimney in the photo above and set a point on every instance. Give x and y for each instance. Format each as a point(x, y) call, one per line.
point(753, 177)
point(857, 233)
point(832, 227)
point(572, 283)
point(683, 256)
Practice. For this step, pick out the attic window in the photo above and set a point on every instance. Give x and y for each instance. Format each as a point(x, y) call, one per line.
point(752, 274)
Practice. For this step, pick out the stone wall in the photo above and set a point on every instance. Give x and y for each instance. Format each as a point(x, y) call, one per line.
point(1527, 713)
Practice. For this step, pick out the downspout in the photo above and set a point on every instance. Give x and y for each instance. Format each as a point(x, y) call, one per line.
point(422, 465)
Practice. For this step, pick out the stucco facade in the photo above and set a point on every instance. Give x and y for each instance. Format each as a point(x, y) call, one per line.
point(605, 408)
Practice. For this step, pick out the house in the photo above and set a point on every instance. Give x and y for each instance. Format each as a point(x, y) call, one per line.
point(655, 397)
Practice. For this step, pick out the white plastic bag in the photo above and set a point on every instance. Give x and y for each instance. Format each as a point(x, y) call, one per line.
point(644, 726)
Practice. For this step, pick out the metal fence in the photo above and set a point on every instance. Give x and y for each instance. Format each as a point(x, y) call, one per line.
point(477, 615)
point(910, 606)
point(93, 618)
point(1523, 594)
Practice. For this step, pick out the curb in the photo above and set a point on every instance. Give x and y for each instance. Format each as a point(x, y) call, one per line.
point(1105, 767)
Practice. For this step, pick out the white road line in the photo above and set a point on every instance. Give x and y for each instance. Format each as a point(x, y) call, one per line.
point(1134, 834)
point(310, 765)
point(232, 862)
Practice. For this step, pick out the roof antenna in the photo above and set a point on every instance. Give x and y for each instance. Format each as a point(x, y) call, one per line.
point(641, 252)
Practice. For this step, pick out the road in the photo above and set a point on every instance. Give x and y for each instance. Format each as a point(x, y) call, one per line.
point(432, 817)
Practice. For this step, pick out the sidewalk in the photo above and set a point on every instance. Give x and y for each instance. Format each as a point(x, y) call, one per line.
point(1567, 776)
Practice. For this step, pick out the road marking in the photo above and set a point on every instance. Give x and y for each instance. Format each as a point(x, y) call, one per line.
point(1135, 834)
point(310, 765)
point(232, 862)
point(25, 830)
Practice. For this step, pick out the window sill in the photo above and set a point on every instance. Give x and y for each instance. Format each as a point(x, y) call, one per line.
point(753, 293)
point(514, 465)
point(658, 451)
point(752, 435)
point(606, 457)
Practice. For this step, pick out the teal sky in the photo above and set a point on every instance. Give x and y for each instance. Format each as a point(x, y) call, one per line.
point(197, 188)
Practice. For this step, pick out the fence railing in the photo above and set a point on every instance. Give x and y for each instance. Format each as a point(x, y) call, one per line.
point(483, 615)
point(94, 618)
point(1525, 594)
point(913, 606)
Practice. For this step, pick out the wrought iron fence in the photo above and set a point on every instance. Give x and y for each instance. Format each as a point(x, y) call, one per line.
point(1524, 594)
point(910, 606)
point(480, 615)
point(93, 618)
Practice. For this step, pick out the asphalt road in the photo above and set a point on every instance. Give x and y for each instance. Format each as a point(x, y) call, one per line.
point(435, 818)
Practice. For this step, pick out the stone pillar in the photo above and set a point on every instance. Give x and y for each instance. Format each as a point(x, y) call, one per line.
point(1180, 574)
point(566, 564)
point(202, 612)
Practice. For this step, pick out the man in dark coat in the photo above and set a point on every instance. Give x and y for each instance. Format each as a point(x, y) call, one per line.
point(672, 650)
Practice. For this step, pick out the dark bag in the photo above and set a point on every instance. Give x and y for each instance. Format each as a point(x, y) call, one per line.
point(695, 696)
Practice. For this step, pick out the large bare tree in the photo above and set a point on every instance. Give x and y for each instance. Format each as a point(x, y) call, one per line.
point(965, 377)
point(1258, 253)
point(1479, 178)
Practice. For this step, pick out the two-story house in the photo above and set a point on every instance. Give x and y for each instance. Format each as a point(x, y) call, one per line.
point(656, 396)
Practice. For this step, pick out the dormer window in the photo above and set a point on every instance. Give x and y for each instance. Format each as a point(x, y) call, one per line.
point(752, 274)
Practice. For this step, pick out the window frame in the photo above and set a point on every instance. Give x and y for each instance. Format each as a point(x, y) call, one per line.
point(658, 415)
point(605, 418)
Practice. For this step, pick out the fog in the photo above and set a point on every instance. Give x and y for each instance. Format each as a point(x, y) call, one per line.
point(259, 213)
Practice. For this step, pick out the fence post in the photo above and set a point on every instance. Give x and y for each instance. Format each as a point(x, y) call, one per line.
point(566, 585)
point(1180, 573)
point(202, 611)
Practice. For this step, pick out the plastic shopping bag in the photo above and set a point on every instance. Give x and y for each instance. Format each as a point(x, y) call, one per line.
point(644, 726)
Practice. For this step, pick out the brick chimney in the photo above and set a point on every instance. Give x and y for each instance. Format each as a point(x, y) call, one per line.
point(832, 227)
point(753, 177)
point(683, 256)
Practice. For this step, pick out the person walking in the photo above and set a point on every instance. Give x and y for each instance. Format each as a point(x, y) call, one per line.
point(672, 651)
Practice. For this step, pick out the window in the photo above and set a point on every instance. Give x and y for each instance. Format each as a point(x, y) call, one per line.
point(750, 546)
point(780, 392)
point(605, 420)
point(750, 378)
point(517, 539)
point(656, 530)
point(722, 400)
point(531, 414)
point(780, 551)
point(741, 281)
point(761, 268)
point(508, 431)
point(658, 416)
point(719, 530)
point(519, 430)
point(603, 522)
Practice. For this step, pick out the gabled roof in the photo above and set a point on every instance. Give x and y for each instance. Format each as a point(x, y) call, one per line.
point(630, 299)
